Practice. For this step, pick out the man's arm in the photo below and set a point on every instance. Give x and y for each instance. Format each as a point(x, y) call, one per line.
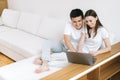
point(82, 38)
point(68, 43)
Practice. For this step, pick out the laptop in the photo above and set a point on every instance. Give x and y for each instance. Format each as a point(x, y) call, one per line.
point(81, 58)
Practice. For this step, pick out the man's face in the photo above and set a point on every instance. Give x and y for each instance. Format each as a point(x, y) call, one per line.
point(77, 22)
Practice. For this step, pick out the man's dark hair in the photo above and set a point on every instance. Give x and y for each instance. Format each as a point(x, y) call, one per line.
point(76, 13)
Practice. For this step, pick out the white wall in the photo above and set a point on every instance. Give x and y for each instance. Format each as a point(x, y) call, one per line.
point(108, 10)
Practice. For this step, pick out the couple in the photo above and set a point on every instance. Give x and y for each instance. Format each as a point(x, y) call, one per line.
point(81, 34)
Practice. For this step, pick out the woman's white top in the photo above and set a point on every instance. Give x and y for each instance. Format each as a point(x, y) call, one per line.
point(95, 43)
point(73, 33)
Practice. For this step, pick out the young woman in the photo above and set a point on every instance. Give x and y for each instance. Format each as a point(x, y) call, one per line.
point(96, 35)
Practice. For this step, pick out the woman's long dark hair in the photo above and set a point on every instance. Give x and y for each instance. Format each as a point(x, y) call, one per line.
point(98, 23)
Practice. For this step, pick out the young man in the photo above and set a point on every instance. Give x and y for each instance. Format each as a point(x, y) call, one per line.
point(74, 31)
point(73, 40)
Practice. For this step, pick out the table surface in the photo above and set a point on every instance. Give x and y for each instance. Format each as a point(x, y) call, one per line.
point(74, 71)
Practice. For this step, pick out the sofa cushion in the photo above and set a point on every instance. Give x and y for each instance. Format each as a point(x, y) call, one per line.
point(19, 70)
point(26, 44)
point(52, 28)
point(29, 22)
point(10, 17)
point(4, 29)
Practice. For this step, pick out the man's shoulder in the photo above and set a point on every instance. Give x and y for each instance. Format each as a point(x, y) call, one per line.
point(69, 24)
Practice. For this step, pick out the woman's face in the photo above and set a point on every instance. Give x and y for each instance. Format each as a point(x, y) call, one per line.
point(77, 22)
point(91, 21)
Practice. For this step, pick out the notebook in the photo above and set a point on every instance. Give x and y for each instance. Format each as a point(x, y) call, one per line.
point(80, 58)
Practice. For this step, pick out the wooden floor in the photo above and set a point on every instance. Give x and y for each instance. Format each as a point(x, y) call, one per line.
point(4, 60)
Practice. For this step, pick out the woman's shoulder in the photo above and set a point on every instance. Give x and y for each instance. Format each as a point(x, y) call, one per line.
point(102, 28)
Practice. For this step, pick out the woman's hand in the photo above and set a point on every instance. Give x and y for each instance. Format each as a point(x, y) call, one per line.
point(72, 50)
point(79, 51)
point(93, 53)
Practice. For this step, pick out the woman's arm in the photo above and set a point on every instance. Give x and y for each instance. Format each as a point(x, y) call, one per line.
point(82, 38)
point(103, 50)
point(68, 43)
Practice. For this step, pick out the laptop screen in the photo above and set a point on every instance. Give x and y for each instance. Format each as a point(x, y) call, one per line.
point(80, 58)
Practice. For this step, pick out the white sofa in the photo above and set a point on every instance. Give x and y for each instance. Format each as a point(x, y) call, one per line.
point(22, 34)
